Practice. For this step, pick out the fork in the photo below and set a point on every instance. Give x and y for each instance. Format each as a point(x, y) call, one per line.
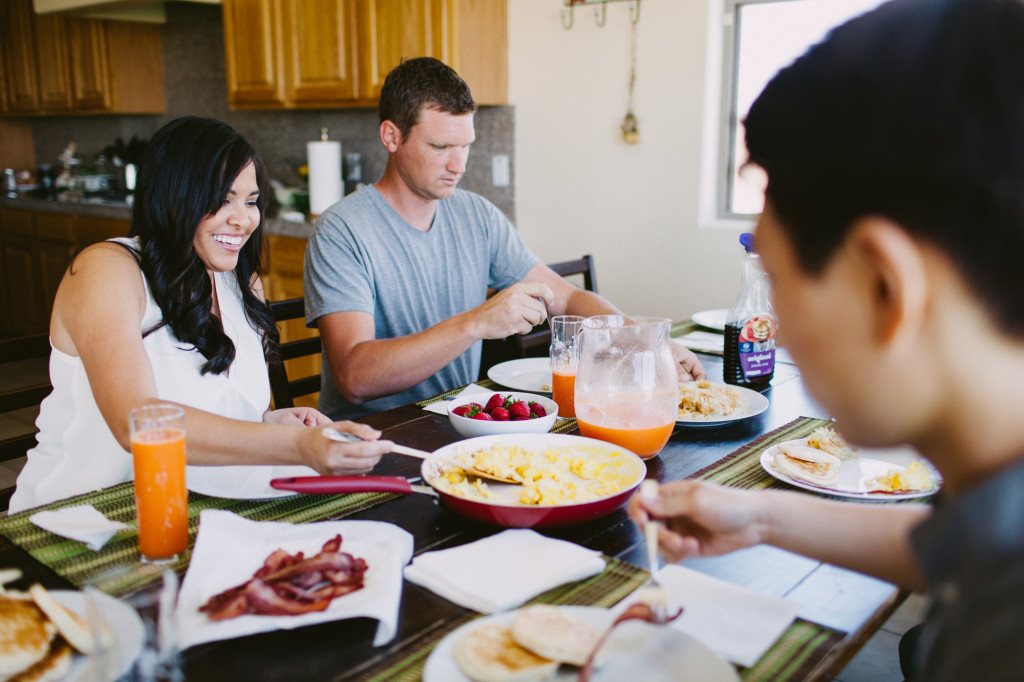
point(655, 595)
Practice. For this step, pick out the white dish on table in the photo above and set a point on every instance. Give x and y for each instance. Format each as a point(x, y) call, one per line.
point(636, 651)
point(712, 319)
point(854, 473)
point(751, 404)
point(532, 375)
point(242, 482)
point(126, 628)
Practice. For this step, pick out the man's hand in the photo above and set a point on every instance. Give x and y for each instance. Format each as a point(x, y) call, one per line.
point(699, 519)
point(515, 310)
point(687, 364)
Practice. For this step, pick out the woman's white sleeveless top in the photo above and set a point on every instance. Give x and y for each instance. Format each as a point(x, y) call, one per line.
point(76, 451)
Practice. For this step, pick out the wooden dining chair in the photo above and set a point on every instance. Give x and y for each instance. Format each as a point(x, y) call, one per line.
point(535, 343)
point(284, 389)
point(24, 382)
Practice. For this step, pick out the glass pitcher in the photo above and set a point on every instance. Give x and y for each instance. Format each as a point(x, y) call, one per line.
point(627, 387)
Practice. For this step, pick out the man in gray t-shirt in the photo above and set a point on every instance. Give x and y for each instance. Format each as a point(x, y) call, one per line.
point(397, 274)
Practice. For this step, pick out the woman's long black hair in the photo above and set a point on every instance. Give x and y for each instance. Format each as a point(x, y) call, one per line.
point(190, 165)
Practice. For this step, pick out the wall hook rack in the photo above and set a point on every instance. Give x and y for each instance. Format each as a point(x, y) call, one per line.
point(600, 11)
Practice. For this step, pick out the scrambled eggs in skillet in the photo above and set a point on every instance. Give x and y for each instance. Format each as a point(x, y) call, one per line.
point(555, 475)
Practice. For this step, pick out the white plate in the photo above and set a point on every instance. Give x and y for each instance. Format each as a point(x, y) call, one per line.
point(636, 651)
point(125, 626)
point(532, 375)
point(242, 482)
point(853, 473)
point(712, 319)
point(752, 404)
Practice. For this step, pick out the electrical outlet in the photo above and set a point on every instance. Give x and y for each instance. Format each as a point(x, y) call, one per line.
point(499, 170)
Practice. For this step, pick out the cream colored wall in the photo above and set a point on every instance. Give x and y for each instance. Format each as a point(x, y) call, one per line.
point(581, 189)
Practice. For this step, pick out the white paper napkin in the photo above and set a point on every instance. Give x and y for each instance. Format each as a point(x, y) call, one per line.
point(441, 406)
point(504, 570)
point(83, 523)
point(737, 623)
point(229, 549)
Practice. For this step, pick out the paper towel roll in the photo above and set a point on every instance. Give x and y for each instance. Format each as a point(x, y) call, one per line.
point(324, 161)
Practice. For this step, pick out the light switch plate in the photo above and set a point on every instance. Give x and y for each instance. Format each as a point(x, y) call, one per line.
point(499, 170)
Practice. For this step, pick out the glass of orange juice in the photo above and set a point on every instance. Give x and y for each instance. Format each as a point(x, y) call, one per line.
point(564, 358)
point(161, 499)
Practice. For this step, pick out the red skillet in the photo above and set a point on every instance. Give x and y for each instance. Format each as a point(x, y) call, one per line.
point(510, 515)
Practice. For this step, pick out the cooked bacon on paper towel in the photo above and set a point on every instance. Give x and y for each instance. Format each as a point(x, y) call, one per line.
point(290, 584)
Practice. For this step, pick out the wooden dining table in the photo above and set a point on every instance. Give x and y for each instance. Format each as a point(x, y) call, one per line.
point(851, 606)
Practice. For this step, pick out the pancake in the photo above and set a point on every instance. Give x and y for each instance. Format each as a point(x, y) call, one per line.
point(554, 633)
point(807, 464)
point(74, 629)
point(489, 654)
point(25, 635)
point(52, 667)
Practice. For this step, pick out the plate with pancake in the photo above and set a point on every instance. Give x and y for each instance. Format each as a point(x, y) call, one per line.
point(635, 650)
point(876, 474)
point(45, 631)
point(704, 404)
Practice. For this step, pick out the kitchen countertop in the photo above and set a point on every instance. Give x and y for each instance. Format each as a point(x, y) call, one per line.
point(118, 210)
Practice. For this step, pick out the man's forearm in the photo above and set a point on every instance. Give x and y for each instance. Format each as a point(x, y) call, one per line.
point(382, 367)
point(872, 539)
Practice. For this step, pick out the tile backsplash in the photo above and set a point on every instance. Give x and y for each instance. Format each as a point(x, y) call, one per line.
point(196, 84)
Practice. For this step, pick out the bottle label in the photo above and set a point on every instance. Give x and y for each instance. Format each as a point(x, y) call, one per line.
point(757, 346)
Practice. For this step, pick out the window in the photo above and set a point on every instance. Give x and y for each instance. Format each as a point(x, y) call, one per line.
point(755, 39)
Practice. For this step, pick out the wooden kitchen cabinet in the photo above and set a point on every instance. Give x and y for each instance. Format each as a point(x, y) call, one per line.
point(55, 64)
point(301, 53)
point(36, 248)
point(17, 33)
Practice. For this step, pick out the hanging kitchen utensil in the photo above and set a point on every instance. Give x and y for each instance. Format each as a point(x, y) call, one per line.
point(629, 127)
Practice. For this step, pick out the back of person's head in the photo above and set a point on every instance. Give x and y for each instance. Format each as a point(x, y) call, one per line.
point(190, 165)
point(422, 83)
point(913, 112)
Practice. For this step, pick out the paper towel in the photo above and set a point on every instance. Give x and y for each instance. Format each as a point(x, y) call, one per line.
point(324, 161)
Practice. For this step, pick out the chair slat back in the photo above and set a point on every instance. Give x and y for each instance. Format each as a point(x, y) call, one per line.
point(283, 388)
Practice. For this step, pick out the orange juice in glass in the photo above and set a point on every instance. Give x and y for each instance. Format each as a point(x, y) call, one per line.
point(161, 499)
point(641, 429)
point(564, 358)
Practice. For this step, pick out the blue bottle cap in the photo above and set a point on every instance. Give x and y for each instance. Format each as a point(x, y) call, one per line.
point(747, 239)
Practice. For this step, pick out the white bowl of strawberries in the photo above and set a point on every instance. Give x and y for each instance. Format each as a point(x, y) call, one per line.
point(480, 414)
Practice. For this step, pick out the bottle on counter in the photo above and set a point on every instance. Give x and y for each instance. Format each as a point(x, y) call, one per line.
point(750, 327)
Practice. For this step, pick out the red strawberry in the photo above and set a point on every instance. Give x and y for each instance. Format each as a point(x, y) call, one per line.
point(537, 410)
point(461, 410)
point(483, 416)
point(519, 410)
point(495, 401)
point(499, 414)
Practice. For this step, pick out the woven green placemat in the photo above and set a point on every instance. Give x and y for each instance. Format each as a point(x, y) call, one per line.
point(615, 583)
point(116, 568)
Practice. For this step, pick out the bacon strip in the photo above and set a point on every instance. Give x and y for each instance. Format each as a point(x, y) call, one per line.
point(290, 584)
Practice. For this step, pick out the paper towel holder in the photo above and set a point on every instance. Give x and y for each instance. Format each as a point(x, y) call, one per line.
point(323, 134)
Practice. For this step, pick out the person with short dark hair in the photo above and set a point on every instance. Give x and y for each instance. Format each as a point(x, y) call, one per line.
point(892, 231)
point(175, 313)
point(397, 274)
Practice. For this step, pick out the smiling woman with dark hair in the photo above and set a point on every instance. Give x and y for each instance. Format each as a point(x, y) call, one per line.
point(175, 313)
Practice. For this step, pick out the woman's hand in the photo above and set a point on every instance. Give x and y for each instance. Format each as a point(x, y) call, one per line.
point(687, 364)
point(296, 416)
point(699, 519)
point(330, 457)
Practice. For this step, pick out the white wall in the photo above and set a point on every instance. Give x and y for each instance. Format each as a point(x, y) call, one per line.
point(581, 189)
